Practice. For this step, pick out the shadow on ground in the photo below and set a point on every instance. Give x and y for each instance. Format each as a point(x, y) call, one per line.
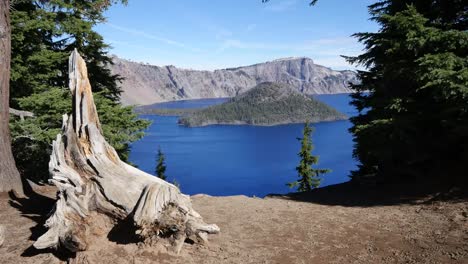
point(352, 194)
point(124, 232)
point(37, 208)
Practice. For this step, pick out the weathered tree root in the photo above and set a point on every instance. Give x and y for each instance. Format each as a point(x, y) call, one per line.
point(91, 178)
point(2, 235)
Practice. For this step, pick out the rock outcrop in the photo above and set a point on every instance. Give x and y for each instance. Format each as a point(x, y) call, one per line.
point(147, 84)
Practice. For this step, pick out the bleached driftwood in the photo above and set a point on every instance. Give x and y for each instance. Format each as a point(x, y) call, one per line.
point(2, 235)
point(91, 179)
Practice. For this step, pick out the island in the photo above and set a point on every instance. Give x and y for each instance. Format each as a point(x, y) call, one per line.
point(266, 104)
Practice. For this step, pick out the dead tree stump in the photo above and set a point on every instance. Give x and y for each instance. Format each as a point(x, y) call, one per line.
point(91, 179)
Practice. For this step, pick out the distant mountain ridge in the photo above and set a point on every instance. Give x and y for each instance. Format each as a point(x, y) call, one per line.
point(146, 84)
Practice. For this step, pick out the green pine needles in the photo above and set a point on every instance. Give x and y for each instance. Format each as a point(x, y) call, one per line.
point(309, 177)
point(161, 165)
point(43, 35)
point(412, 100)
point(160, 169)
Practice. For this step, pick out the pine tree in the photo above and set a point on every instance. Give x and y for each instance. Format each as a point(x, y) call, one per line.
point(412, 100)
point(161, 165)
point(43, 35)
point(413, 120)
point(309, 177)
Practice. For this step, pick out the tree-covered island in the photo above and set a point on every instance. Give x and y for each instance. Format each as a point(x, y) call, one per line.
point(266, 104)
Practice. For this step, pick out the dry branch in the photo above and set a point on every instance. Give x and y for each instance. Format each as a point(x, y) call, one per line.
point(92, 180)
point(22, 114)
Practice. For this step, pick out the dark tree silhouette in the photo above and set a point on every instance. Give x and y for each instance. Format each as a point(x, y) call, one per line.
point(309, 177)
point(161, 165)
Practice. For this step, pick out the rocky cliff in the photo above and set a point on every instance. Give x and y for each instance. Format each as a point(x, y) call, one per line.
point(147, 84)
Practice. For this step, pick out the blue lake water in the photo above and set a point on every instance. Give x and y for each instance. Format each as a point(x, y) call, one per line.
point(250, 160)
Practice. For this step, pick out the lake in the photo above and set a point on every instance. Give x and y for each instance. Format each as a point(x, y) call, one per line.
point(250, 160)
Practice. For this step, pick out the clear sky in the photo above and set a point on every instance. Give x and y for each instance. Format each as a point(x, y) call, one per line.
point(215, 34)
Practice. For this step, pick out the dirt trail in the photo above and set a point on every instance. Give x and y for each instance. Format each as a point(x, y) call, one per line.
point(296, 229)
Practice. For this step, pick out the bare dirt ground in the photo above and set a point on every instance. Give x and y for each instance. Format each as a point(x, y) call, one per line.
point(338, 224)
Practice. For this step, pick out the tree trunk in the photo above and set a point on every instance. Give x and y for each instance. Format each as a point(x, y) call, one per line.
point(93, 182)
point(10, 178)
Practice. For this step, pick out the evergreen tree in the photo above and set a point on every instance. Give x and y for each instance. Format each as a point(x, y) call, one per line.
point(413, 120)
point(161, 165)
point(43, 35)
point(412, 99)
point(309, 177)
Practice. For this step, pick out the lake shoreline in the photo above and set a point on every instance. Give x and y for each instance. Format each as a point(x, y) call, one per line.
point(243, 123)
point(251, 160)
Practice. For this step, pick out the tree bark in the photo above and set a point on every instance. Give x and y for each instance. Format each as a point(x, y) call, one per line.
point(92, 182)
point(10, 178)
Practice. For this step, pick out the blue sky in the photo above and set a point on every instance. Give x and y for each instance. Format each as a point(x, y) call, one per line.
point(208, 34)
